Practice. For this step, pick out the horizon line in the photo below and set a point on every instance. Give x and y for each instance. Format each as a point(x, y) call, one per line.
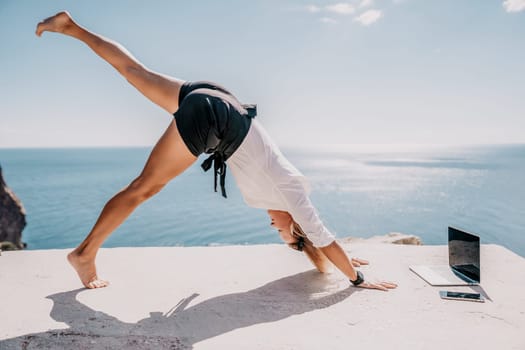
point(321, 146)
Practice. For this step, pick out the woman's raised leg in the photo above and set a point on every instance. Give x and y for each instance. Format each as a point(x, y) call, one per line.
point(169, 158)
point(160, 89)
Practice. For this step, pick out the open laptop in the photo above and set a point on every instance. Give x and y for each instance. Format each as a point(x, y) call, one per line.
point(463, 262)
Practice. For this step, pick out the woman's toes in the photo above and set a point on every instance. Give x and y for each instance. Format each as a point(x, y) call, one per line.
point(98, 284)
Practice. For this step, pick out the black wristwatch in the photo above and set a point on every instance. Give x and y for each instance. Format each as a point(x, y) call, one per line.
point(360, 279)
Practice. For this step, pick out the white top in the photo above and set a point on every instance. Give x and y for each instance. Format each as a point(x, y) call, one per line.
point(268, 180)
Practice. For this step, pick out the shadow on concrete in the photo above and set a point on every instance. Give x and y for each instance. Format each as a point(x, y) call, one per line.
point(182, 326)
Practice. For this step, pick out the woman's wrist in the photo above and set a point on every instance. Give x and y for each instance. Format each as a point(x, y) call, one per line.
point(360, 279)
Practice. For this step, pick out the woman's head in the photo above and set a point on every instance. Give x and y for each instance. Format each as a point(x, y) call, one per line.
point(282, 221)
point(292, 234)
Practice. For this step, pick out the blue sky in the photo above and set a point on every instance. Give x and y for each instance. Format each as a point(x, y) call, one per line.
point(321, 72)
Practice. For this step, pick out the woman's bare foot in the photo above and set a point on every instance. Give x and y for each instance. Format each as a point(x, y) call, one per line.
point(86, 270)
point(59, 23)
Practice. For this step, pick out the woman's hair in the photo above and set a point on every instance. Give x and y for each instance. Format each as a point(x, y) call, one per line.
point(315, 255)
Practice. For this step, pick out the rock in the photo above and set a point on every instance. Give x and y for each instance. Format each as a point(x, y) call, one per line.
point(12, 218)
point(392, 238)
point(401, 238)
point(8, 246)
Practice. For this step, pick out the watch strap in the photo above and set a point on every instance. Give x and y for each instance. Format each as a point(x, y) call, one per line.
point(360, 279)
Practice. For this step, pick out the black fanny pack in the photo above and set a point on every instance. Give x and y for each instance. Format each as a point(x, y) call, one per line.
point(211, 120)
point(238, 127)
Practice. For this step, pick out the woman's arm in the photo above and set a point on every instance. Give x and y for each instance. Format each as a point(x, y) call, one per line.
point(338, 257)
point(302, 211)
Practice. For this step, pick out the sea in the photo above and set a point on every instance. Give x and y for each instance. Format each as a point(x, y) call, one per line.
point(358, 190)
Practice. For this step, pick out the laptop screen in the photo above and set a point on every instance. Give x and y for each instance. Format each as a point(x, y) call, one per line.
point(463, 253)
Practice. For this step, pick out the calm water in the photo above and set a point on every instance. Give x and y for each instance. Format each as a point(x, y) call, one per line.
point(358, 192)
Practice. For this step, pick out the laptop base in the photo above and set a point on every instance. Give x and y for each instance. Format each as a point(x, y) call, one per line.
point(440, 275)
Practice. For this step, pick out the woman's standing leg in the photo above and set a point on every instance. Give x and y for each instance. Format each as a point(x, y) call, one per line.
point(160, 89)
point(169, 157)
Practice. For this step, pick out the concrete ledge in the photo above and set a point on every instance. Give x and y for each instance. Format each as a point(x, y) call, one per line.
point(254, 297)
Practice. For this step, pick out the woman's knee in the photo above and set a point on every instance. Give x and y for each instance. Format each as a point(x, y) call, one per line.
point(143, 188)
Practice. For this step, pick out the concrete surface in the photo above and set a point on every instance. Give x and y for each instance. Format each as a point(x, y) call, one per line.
point(254, 297)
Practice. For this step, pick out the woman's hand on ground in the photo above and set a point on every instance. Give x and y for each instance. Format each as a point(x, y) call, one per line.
point(356, 262)
point(384, 286)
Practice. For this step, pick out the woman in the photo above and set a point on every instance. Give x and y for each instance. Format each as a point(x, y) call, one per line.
point(207, 119)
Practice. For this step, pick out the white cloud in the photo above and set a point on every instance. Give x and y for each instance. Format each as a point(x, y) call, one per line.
point(366, 3)
point(514, 5)
point(369, 17)
point(328, 20)
point(341, 8)
point(313, 8)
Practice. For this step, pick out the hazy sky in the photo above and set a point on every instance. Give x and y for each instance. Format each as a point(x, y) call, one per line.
point(362, 71)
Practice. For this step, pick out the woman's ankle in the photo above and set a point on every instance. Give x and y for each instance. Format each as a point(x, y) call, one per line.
point(82, 254)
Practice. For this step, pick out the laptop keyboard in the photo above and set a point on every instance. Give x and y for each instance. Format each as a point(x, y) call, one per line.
point(439, 274)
